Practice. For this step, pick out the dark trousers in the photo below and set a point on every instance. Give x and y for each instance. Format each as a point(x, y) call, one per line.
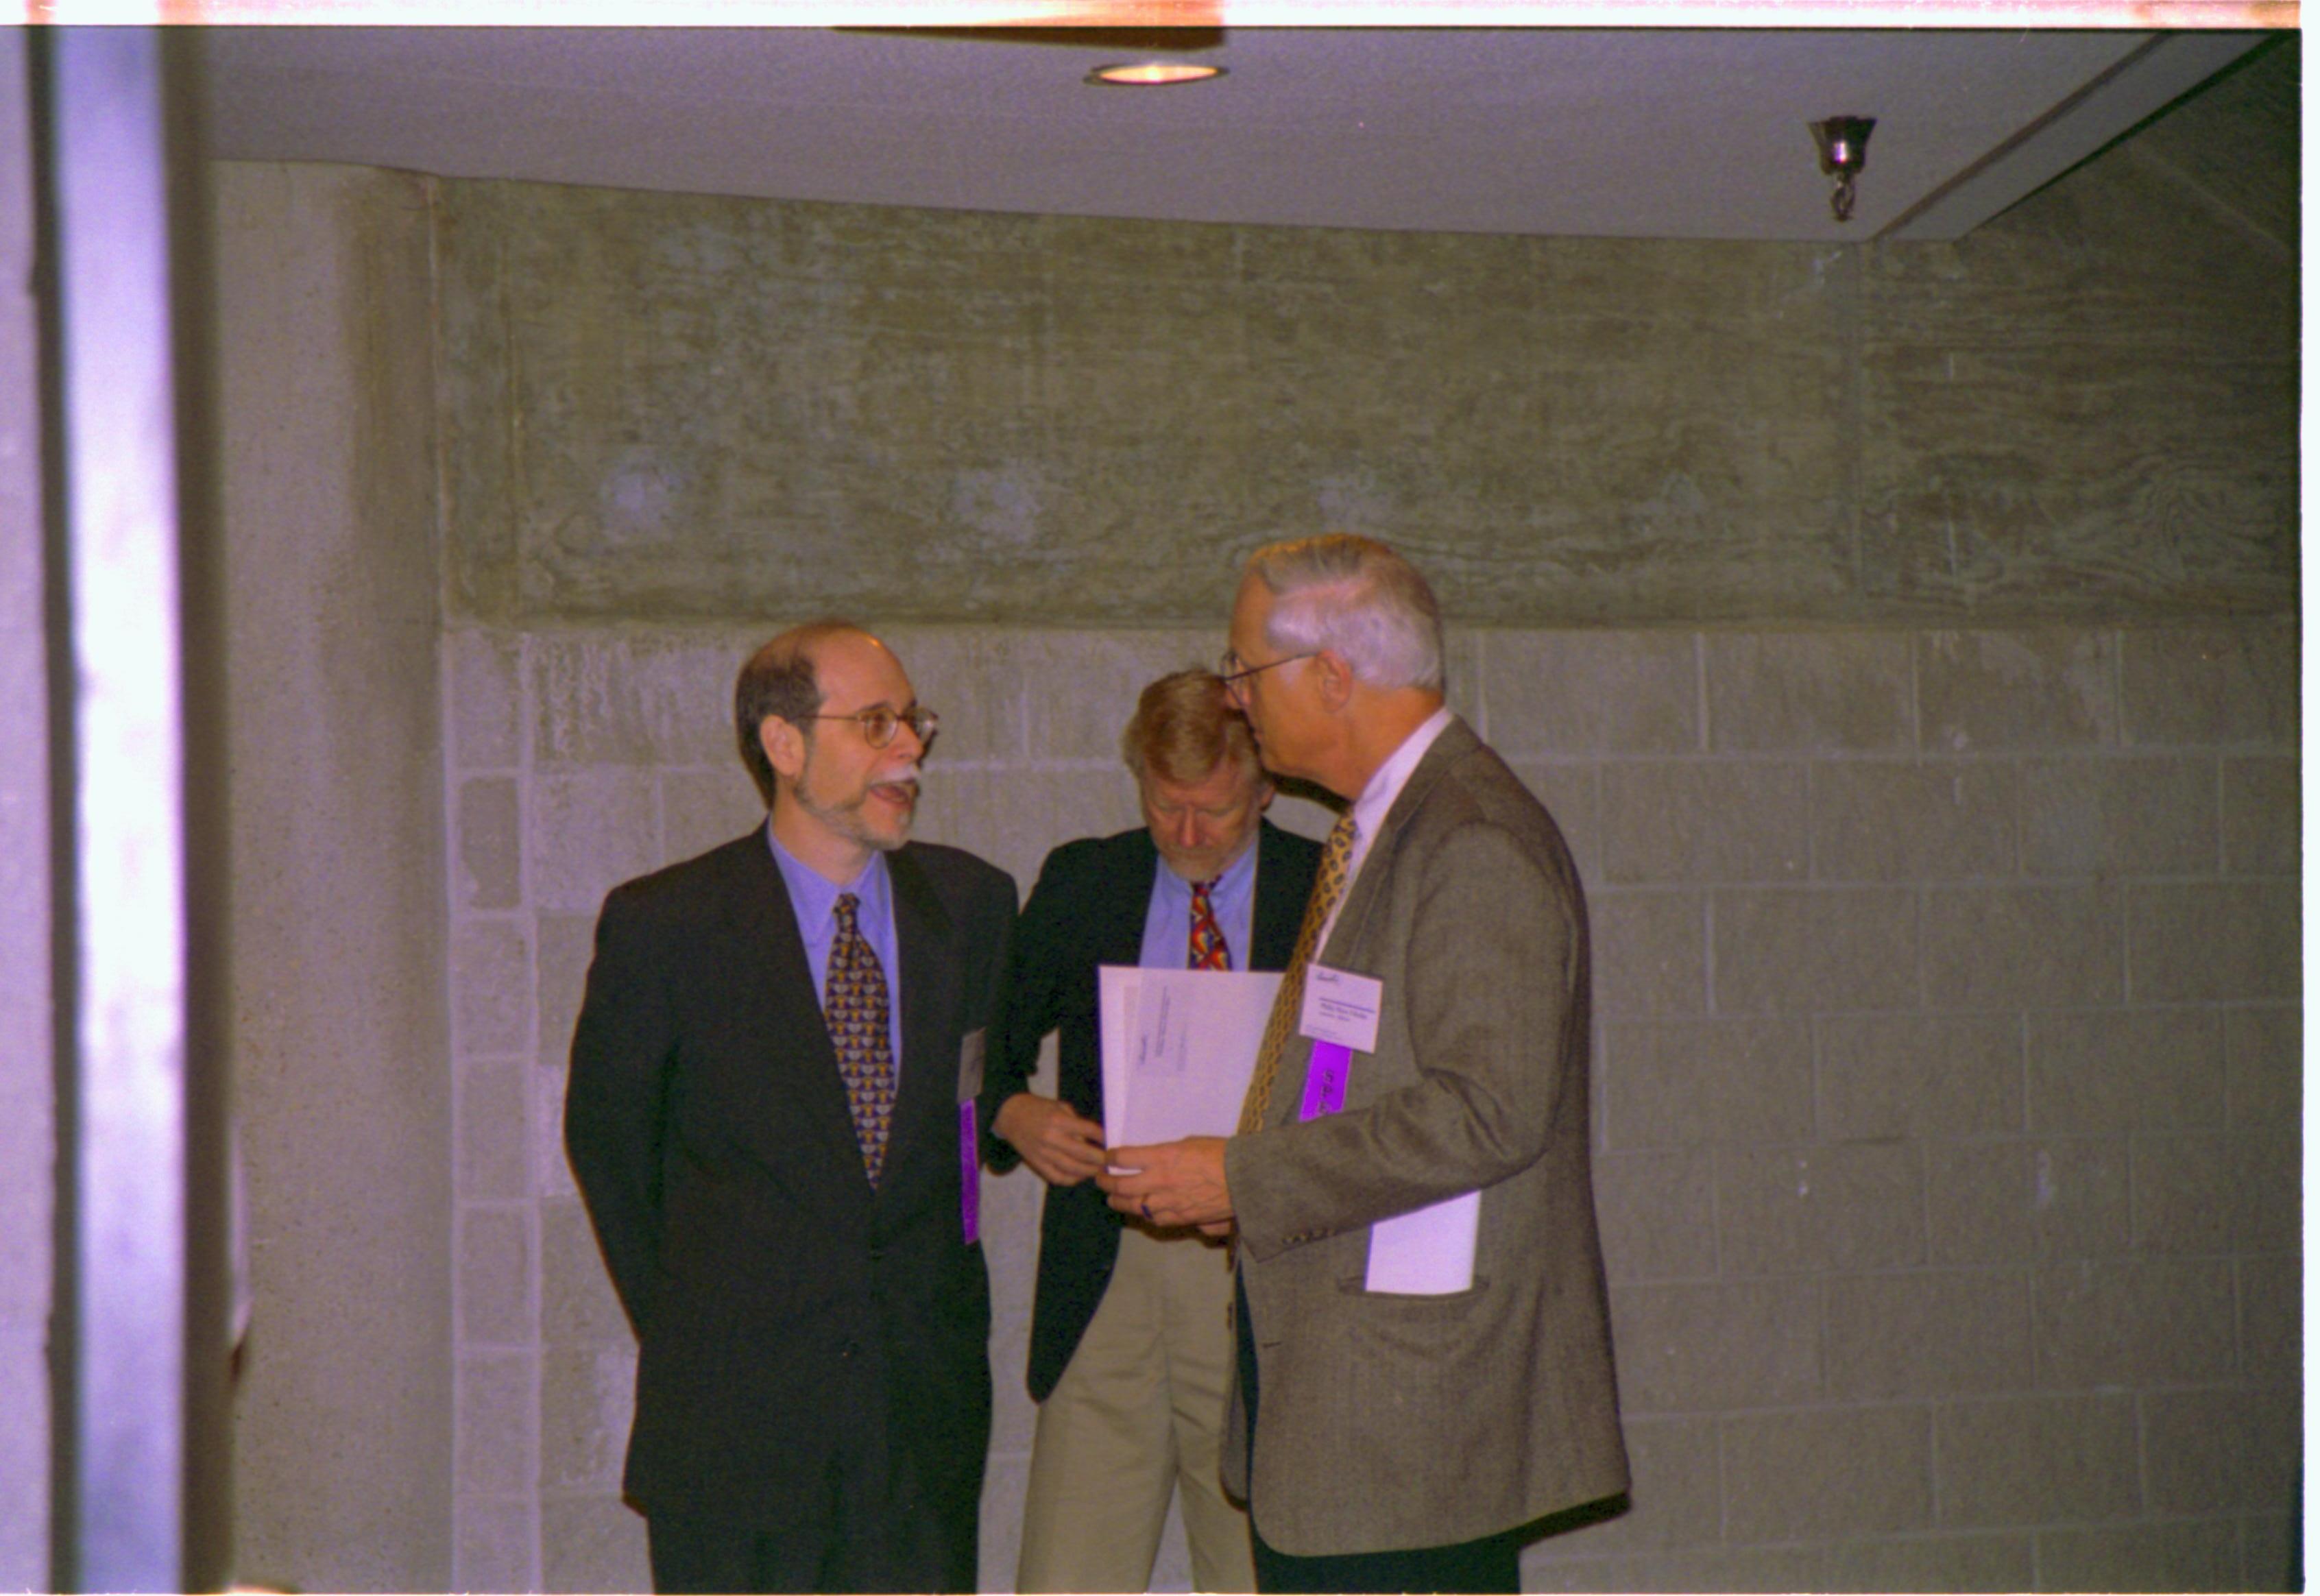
point(1493, 1564)
point(850, 1543)
point(690, 1554)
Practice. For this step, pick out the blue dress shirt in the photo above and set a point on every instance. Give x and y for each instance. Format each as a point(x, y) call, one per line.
point(1168, 922)
point(813, 899)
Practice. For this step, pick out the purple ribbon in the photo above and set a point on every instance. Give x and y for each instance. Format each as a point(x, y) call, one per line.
point(970, 1175)
point(1325, 1080)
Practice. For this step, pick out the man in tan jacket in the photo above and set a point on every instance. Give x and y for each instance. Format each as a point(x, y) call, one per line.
point(1403, 1418)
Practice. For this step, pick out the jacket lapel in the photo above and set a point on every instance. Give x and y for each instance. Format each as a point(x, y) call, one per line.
point(792, 1085)
point(1345, 947)
point(930, 998)
point(1280, 909)
point(1125, 901)
point(1456, 741)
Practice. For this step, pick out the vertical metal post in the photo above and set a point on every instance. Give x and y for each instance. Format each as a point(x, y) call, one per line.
point(117, 383)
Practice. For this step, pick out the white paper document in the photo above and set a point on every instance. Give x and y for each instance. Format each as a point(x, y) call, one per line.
point(1179, 1047)
point(1429, 1252)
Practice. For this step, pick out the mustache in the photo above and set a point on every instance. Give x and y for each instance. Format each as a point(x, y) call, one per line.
point(906, 778)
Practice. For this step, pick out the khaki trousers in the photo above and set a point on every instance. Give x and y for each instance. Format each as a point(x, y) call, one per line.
point(1136, 1415)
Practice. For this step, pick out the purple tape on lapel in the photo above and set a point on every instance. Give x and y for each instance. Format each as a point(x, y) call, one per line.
point(970, 1173)
point(1325, 1080)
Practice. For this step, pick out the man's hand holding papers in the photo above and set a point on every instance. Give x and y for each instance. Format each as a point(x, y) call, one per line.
point(1063, 1145)
point(1177, 1183)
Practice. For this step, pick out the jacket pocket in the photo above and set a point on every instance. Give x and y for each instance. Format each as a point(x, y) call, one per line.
point(1416, 1307)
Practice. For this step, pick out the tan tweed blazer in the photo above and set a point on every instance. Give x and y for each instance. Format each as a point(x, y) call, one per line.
point(1388, 1421)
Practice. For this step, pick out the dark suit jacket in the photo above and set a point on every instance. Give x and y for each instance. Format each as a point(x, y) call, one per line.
point(1088, 909)
point(783, 1308)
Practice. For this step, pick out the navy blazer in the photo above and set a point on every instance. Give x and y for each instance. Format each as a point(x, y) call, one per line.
point(780, 1302)
point(1089, 909)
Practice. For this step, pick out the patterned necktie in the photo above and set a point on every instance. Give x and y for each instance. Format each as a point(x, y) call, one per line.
point(1329, 885)
point(1208, 951)
point(854, 1007)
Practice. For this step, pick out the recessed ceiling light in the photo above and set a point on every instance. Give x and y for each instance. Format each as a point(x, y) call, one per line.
point(1153, 74)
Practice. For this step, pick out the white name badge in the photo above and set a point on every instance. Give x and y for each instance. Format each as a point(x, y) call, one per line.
point(1341, 1007)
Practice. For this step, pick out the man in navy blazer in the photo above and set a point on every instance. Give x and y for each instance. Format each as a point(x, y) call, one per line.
point(1130, 1349)
point(764, 1116)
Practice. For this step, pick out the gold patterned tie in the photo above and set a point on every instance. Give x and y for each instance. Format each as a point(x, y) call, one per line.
point(854, 1007)
point(1329, 885)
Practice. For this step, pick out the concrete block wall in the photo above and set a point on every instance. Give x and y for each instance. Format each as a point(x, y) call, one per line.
point(342, 1444)
point(690, 409)
point(1947, 1085)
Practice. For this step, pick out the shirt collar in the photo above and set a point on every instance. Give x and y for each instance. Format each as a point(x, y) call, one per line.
point(1386, 782)
point(813, 897)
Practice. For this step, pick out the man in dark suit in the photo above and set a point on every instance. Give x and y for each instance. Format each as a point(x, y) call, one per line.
point(1423, 1368)
point(765, 1117)
point(1130, 1346)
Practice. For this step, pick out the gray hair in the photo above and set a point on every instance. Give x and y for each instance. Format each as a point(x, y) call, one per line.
point(1358, 597)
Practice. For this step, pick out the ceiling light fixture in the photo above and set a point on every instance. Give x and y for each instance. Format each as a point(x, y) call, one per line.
point(1844, 142)
point(1154, 74)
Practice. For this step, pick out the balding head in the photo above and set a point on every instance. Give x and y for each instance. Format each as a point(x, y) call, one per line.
point(779, 681)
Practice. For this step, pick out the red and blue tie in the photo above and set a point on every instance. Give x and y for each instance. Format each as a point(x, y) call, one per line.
point(1209, 951)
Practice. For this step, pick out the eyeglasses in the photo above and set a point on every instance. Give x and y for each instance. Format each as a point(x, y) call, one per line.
point(879, 723)
point(1233, 673)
